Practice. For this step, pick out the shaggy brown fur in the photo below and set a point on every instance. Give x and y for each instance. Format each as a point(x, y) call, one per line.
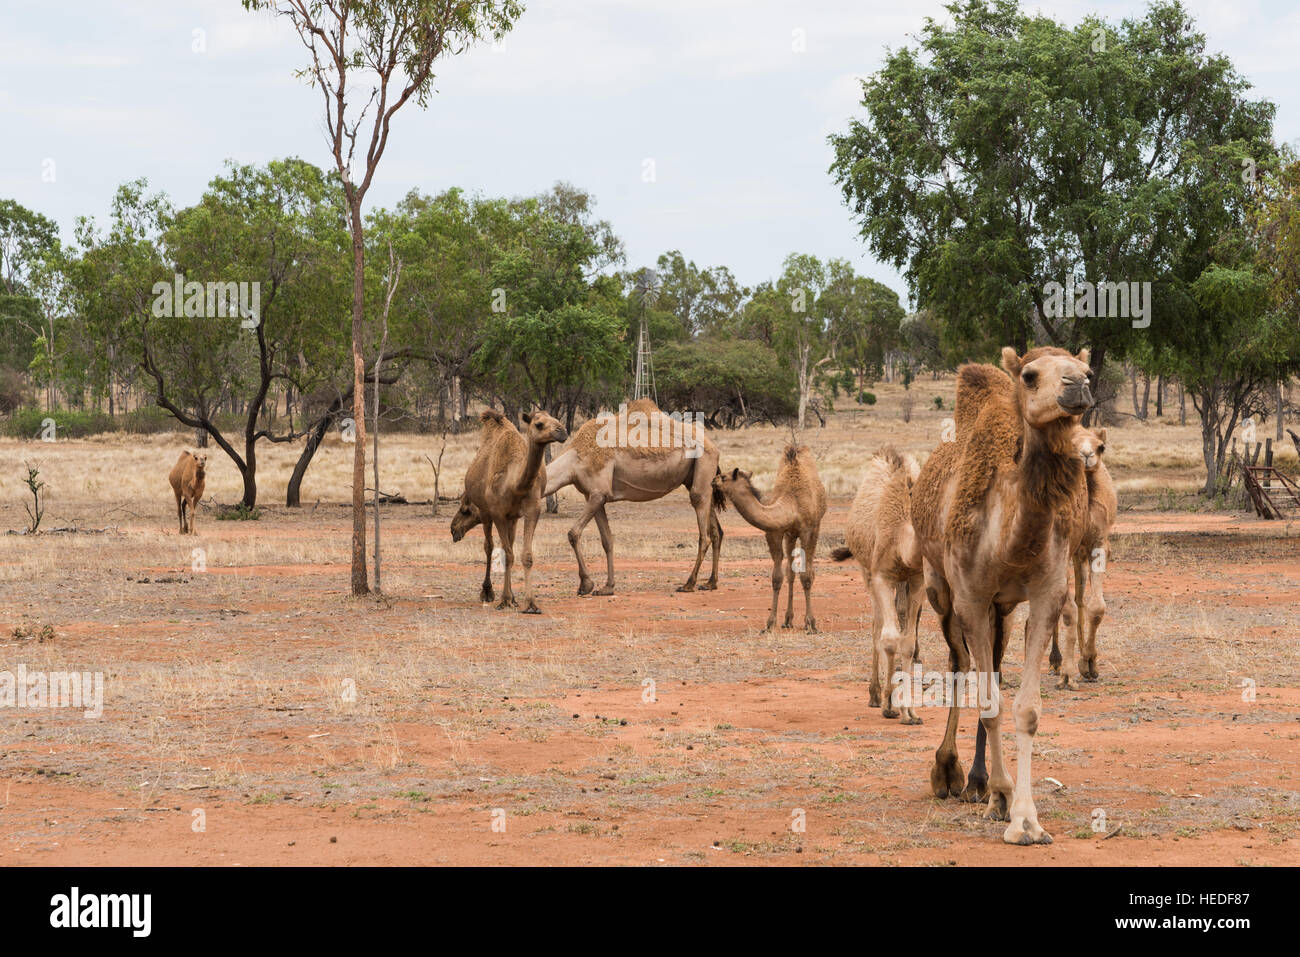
point(998, 513)
point(187, 479)
point(503, 484)
point(880, 536)
point(791, 513)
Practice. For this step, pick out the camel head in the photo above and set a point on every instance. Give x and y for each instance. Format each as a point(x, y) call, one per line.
point(1050, 383)
point(1090, 444)
point(201, 461)
point(542, 428)
point(466, 517)
point(736, 479)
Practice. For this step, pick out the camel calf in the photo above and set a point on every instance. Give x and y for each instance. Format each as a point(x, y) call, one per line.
point(791, 515)
point(187, 482)
point(1089, 560)
point(880, 537)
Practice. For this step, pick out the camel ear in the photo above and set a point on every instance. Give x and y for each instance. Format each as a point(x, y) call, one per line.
point(1101, 435)
point(1011, 362)
point(746, 475)
point(527, 417)
point(1084, 356)
point(735, 474)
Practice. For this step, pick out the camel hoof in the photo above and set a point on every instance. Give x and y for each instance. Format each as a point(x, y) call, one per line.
point(874, 700)
point(976, 791)
point(505, 603)
point(1026, 834)
point(531, 610)
point(487, 595)
point(910, 719)
point(709, 586)
point(889, 712)
point(689, 586)
point(603, 592)
point(811, 628)
point(997, 809)
point(1090, 672)
point(1067, 684)
point(585, 587)
point(947, 780)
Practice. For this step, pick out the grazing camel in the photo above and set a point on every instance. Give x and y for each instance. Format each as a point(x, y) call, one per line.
point(188, 478)
point(998, 513)
point(639, 455)
point(503, 484)
point(1090, 558)
point(880, 537)
point(792, 513)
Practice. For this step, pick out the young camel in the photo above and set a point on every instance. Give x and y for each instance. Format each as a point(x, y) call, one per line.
point(792, 513)
point(643, 457)
point(503, 484)
point(998, 513)
point(880, 537)
point(1090, 558)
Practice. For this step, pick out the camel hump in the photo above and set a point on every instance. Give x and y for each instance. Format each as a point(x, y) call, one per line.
point(977, 384)
point(492, 416)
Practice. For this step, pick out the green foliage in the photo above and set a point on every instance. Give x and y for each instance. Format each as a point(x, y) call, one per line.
point(729, 379)
point(1008, 150)
point(867, 398)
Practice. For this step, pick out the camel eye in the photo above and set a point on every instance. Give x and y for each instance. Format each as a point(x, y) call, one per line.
point(1100, 449)
point(1030, 379)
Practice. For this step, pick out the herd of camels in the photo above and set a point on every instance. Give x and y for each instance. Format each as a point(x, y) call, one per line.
point(1000, 514)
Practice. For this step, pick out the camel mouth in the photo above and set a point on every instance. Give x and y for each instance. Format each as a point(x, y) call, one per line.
point(561, 436)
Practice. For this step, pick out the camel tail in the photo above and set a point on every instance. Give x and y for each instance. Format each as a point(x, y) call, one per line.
point(719, 500)
point(842, 554)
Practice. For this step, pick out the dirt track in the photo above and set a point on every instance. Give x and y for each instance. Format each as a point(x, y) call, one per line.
point(224, 694)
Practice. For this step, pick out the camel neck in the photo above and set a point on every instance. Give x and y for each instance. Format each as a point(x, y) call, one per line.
point(532, 464)
point(769, 517)
point(1049, 476)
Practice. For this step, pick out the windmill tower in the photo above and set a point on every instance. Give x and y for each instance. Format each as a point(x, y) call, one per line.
point(647, 287)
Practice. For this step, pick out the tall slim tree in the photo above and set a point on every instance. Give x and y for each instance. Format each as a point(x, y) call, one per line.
point(369, 58)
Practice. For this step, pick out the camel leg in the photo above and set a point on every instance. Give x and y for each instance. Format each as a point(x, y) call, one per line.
point(806, 579)
point(594, 504)
point(876, 622)
point(703, 505)
point(884, 618)
point(1092, 611)
point(912, 621)
point(790, 540)
point(1054, 656)
point(607, 543)
point(180, 511)
point(947, 776)
point(1069, 664)
point(778, 575)
point(715, 541)
point(530, 526)
point(977, 790)
point(192, 512)
point(1045, 603)
point(486, 593)
point(506, 532)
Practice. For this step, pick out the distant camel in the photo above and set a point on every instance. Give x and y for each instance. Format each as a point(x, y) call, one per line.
point(644, 456)
point(504, 483)
point(998, 513)
point(1090, 558)
point(880, 537)
point(188, 479)
point(792, 513)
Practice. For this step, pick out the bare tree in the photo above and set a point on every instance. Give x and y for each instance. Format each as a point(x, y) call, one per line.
point(388, 48)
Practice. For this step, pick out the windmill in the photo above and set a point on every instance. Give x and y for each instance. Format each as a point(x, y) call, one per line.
point(647, 288)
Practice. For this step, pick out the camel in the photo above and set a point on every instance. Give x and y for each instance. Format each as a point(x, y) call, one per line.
point(792, 513)
point(1089, 559)
point(998, 513)
point(503, 484)
point(880, 537)
point(638, 456)
point(187, 479)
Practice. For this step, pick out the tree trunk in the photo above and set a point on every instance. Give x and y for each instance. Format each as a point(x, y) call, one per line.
point(1208, 450)
point(1146, 395)
point(1182, 405)
point(314, 438)
point(1160, 397)
point(359, 583)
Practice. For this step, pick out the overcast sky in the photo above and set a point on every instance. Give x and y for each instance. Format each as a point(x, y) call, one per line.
point(712, 91)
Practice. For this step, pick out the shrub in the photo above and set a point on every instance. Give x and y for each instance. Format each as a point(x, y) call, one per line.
point(867, 398)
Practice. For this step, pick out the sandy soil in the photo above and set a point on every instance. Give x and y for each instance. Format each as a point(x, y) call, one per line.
point(227, 736)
